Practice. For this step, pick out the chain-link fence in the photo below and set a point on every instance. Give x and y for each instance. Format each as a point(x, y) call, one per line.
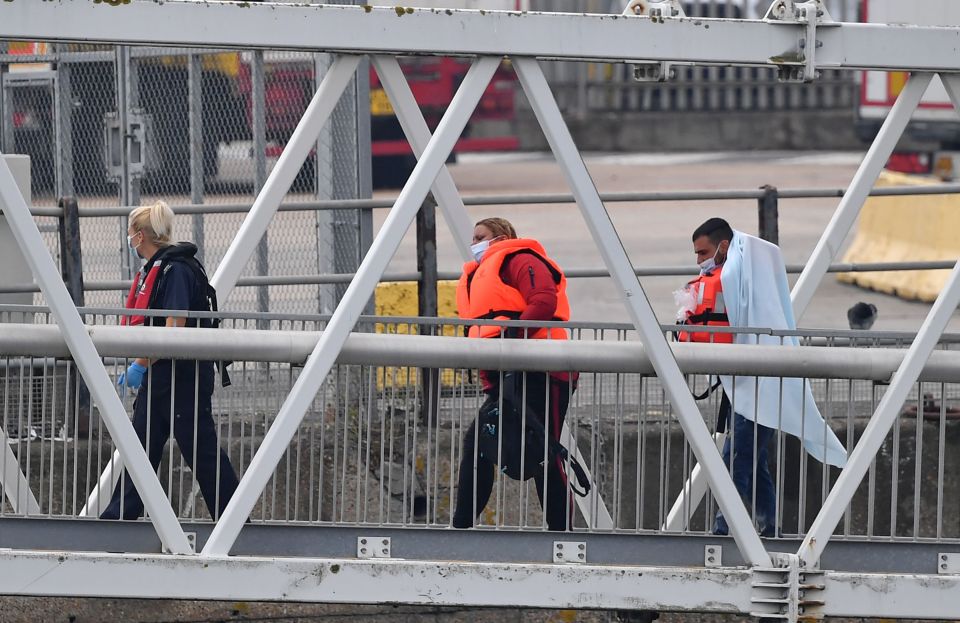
point(117, 126)
point(124, 126)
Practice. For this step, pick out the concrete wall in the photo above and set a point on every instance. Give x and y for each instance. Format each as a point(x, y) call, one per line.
point(13, 267)
point(703, 131)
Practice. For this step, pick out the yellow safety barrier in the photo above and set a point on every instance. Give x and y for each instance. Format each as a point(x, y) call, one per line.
point(901, 229)
point(400, 299)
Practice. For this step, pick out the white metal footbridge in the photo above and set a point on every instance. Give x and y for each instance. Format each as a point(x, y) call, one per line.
point(371, 522)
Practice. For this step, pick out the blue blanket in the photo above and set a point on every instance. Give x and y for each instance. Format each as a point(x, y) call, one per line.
point(757, 295)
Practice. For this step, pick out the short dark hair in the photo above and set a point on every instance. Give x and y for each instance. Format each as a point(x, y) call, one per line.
point(716, 229)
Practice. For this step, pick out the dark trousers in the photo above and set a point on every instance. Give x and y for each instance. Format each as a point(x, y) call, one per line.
point(739, 459)
point(559, 507)
point(189, 425)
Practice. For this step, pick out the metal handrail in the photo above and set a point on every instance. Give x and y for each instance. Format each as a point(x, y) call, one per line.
point(526, 199)
point(575, 273)
point(815, 336)
point(878, 364)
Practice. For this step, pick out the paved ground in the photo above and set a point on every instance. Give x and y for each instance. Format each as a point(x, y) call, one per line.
point(658, 234)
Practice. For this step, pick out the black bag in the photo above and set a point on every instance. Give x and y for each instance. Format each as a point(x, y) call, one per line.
point(519, 451)
point(209, 294)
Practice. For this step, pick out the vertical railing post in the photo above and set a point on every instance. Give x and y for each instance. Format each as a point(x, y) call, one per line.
point(71, 268)
point(63, 128)
point(197, 165)
point(259, 108)
point(767, 209)
point(71, 259)
point(427, 299)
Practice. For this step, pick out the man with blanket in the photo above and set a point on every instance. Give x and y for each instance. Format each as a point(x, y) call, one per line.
point(743, 283)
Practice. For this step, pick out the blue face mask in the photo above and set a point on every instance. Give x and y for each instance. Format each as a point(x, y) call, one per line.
point(133, 248)
point(479, 249)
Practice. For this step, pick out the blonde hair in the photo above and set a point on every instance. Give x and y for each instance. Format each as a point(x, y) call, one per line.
point(155, 221)
point(498, 227)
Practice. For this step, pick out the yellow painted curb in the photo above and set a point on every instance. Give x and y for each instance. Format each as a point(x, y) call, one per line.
point(901, 229)
point(400, 299)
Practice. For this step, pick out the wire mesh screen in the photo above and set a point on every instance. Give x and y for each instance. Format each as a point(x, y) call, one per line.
point(378, 447)
point(213, 127)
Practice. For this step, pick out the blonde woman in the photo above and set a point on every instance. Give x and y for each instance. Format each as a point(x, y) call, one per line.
point(173, 279)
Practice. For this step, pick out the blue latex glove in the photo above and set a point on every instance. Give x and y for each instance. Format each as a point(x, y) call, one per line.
point(133, 377)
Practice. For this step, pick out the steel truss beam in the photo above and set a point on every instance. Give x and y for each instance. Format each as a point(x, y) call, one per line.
point(818, 536)
point(421, 351)
point(382, 30)
point(347, 580)
point(828, 247)
point(14, 482)
point(525, 37)
point(624, 548)
point(351, 306)
point(418, 135)
point(638, 306)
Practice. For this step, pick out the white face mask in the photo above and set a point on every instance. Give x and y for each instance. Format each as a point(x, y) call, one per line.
point(709, 264)
point(479, 249)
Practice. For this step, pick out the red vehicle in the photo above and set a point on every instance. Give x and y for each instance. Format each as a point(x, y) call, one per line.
point(288, 88)
point(934, 123)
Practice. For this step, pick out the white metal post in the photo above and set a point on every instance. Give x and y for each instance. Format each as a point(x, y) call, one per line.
point(846, 214)
point(418, 134)
point(88, 361)
point(873, 435)
point(615, 257)
point(278, 183)
point(362, 286)
point(893, 399)
point(694, 488)
point(14, 483)
point(100, 494)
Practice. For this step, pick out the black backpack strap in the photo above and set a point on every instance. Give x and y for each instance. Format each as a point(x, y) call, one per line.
point(709, 391)
point(581, 478)
point(707, 316)
point(215, 323)
point(209, 294)
point(558, 450)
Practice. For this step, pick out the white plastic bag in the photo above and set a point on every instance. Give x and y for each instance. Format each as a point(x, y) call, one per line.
point(686, 300)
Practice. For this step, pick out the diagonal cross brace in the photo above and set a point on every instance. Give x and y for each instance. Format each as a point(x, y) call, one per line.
point(893, 399)
point(418, 135)
point(14, 483)
point(362, 286)
point(828, 247)
point(618, 263)
point(281, 177)
point(88, 361)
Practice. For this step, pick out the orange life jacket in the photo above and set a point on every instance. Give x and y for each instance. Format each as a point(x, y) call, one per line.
point(482, 294)
point(710, 310)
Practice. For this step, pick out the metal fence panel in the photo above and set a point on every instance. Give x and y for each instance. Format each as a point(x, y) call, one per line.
point(366, 454)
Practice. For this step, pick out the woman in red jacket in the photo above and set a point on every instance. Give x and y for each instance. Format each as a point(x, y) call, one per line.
point(513, 278)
